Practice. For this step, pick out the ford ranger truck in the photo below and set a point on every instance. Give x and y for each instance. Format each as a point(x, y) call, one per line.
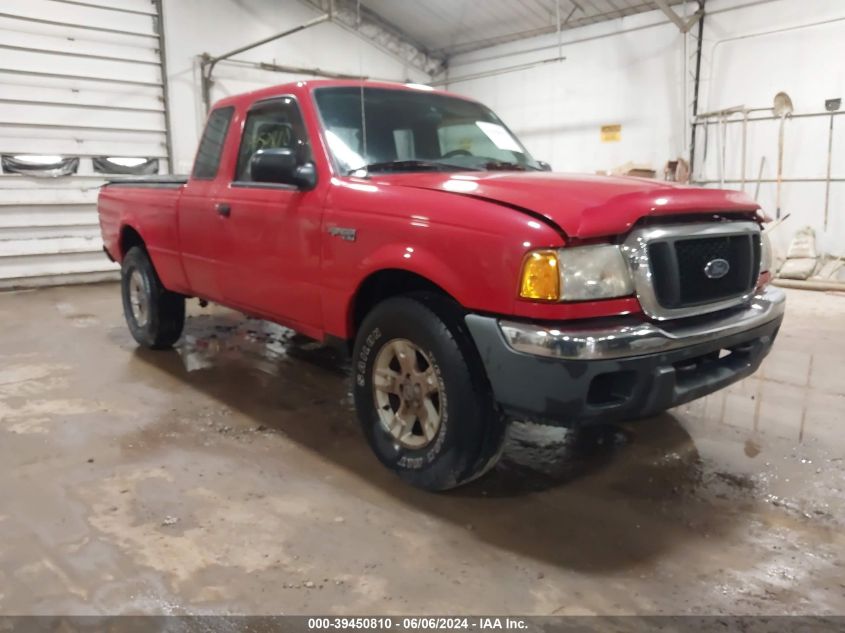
point(471, 285)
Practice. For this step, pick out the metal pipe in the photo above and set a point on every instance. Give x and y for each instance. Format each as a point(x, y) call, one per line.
point(685, 95)
point(719, 162)
point(74, 25)
point(696, 86)
point(744, 144)
point(724, 147)
point(780, 165)
point(266, 40)
point(773, 225)
point(316, 72)
point(759, 178)
point(732, 110)
point(829, 160)
point(768, 180)
point(557, 22)
point(804, 115)
point(209, 62)
point(724, 112)
point(34, 73)
point(298, 70)
point(497, 71)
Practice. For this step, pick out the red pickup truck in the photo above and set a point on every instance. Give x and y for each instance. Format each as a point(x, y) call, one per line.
point(470, 284)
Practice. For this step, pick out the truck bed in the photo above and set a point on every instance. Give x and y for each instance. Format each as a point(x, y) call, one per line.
point(145, 205)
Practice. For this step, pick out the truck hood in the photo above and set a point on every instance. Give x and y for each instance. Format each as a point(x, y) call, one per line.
point(583, 206)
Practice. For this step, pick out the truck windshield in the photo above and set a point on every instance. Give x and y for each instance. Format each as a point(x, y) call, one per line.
point(409, 130)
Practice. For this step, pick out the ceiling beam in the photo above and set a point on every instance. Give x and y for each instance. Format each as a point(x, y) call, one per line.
point(369, 26)
point(682, 24)
point(574, 14)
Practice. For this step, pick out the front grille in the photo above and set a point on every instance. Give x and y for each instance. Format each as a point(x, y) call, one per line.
point(680, 268)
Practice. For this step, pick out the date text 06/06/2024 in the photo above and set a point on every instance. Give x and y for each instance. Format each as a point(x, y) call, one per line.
point(419, 623)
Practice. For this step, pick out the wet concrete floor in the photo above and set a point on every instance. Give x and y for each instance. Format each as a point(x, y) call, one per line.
point(230, 476)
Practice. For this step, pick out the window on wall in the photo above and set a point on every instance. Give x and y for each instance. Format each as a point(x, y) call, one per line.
point(125, 165)
point(211, 145)
point(48, 166)
point(272, 124)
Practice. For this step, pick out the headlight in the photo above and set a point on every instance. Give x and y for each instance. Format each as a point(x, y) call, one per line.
point(594, 272)
point(579, 273)
point(765, 253)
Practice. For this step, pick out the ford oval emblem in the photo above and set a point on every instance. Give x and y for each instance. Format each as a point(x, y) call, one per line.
point(717, 268)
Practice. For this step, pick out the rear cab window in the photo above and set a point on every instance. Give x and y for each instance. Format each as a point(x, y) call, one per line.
point(211, 146)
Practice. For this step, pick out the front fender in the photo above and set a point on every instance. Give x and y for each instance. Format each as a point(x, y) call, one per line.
point(413, 259)
point(390, 257)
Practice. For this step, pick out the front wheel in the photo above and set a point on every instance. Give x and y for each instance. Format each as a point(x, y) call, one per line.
point(155, 315)
point(421, 393)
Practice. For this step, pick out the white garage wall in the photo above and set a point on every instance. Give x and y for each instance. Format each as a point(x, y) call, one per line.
point(630, 71)
point(557, 108)
point(76, 79)
point(193, 27)
point(797, 47)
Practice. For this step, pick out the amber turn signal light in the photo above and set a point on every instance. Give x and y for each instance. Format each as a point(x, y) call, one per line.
point(540, 276)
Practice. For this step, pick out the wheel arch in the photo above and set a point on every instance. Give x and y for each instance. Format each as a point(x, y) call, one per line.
point(129, 237)
point(383, 284)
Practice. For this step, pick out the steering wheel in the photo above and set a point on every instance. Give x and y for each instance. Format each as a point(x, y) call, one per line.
point(457, 152)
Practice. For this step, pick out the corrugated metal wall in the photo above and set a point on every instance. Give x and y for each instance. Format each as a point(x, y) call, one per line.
point(77, 78)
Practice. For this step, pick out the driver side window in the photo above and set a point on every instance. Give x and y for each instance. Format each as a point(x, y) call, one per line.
point(272, 125)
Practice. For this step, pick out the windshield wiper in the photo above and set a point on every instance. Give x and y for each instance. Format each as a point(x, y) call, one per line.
point(507, 166)
point(411, 165)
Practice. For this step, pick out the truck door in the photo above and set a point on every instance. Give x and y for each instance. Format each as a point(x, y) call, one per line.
point(271, 259)
point(200, 214)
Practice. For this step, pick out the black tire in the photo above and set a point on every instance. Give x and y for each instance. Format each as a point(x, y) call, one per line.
point(471, 430)
point(161, 323)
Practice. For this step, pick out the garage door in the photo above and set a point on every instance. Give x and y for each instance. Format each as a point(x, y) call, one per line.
point(82, 100)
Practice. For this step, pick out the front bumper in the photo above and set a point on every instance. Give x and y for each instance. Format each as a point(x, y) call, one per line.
point(572, 375)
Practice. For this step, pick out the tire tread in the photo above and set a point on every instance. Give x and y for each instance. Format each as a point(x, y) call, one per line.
point(167, 309)
point(444, 317)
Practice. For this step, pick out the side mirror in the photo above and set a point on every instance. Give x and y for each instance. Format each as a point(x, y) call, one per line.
point(280, 165)
point(544, 165)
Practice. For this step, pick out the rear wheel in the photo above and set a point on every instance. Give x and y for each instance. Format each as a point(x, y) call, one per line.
point(155, 315)
point(421, 393)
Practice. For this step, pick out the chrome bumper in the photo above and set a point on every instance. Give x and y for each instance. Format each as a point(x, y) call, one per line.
point(642, 338)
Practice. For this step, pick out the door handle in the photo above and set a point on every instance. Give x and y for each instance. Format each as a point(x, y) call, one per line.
point(223, 209)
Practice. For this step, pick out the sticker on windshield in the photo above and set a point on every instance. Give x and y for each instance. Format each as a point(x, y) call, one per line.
point(499, 135)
